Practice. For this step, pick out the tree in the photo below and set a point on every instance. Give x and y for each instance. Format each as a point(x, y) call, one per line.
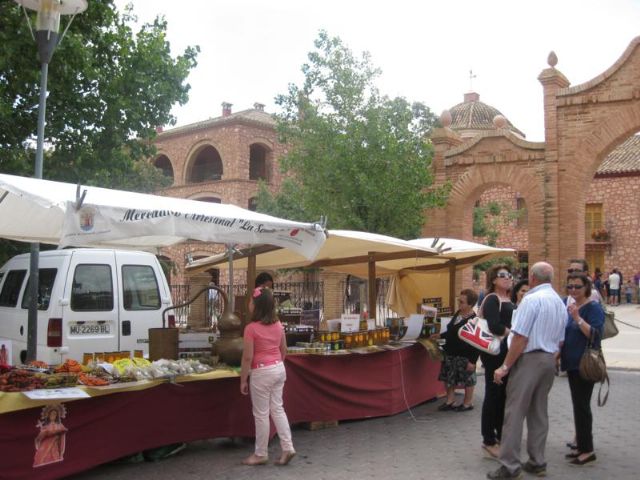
point(360, 158)
point(108, 90)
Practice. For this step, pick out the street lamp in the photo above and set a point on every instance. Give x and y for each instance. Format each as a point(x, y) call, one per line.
point(47, 38)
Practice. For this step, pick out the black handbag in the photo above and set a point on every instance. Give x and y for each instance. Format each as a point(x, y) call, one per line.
point(593, 368)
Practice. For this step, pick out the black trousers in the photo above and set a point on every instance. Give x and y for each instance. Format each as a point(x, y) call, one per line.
point(494, 400)
point(581, 391)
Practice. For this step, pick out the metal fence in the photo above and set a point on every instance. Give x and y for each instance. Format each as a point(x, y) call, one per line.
point(304, 295)
point(355, 296)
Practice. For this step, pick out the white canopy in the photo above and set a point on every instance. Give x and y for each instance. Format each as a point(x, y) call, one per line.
point(34, 210)
point(344, 250)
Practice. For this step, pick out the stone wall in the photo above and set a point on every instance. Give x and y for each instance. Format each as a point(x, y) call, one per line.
point(620, 199)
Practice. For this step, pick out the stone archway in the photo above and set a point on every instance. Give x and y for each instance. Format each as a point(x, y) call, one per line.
point(583, 124)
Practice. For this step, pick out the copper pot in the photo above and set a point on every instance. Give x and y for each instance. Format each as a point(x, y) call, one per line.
point(229, 346)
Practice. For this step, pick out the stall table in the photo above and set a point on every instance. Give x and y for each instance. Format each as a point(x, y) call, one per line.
point(118, 422)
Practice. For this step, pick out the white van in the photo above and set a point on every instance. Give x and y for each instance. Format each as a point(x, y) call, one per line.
point(90, 300)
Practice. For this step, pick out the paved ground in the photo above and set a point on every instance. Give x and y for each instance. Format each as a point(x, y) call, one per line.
point(426, 444)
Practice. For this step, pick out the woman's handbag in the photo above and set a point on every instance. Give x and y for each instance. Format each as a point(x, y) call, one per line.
point(610, 327)
point(593, 367)
point(477, 334)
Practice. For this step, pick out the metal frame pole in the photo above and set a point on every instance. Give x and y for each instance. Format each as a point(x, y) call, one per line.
point(34, 275)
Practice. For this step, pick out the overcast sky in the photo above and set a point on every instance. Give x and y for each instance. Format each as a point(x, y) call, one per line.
point(252, 49)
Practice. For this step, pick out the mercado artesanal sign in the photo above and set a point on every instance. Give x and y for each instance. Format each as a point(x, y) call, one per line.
point(35, 210)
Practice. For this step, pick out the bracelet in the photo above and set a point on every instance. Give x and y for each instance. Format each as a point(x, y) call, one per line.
point(580, 322)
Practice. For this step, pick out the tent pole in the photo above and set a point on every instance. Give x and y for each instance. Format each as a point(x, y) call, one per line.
point(251, 279)
point(372, 286)
point(452, 286)
point(231, 295)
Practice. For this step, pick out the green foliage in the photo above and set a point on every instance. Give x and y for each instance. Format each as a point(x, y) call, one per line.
point(488, 218)
point(511, 262)
point(108, 89)
point(356, 156)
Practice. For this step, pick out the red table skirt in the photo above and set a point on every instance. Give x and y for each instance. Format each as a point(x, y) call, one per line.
point(318, 388)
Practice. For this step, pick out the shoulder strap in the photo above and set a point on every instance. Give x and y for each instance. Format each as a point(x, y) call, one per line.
point(481, 309)
point(602, 401)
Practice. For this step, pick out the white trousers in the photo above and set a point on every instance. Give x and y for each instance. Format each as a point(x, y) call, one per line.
point(266, 385)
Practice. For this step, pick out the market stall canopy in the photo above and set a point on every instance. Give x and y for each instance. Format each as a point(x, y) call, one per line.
point(407, 287)
point(34, 210)
point(461, 252)
point(344, 251)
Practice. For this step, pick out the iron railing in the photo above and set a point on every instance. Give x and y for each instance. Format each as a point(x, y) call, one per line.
point(304, 295)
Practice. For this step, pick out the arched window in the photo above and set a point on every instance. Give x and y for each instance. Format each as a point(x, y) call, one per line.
point(209, 199)
point(164, 164)
point(253, 204)
point(522, 220)
point(257, 162)
point(207, 166)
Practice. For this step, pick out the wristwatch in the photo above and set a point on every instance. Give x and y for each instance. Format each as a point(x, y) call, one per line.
point(504, 367)
point(580, 322)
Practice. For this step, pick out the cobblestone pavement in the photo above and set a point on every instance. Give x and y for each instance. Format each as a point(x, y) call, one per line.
point(421, 444)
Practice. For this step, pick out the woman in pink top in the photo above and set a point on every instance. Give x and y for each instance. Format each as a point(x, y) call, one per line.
point(265, 346)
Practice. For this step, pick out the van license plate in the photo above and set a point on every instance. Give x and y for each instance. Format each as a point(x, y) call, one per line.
point(90, 329)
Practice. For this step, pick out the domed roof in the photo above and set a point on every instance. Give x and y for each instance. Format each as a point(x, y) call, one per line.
point(472, 116)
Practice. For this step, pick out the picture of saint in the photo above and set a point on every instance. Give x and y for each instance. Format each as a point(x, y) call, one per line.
point(50, 442)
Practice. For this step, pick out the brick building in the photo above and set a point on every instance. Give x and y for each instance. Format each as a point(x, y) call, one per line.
point(218, 160)
point(581, 180)
point(610, 204)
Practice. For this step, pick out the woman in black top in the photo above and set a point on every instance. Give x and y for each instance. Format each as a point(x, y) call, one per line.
point(496, 309)
point(459, 364)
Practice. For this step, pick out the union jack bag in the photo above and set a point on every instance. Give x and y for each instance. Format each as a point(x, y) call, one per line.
point(477, 334)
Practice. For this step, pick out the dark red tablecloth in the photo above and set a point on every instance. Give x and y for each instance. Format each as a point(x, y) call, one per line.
point(318, 388)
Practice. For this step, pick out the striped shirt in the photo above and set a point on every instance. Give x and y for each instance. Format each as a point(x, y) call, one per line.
point(541, 318)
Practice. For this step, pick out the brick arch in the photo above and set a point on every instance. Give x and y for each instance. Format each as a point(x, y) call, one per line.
point(193, 153)
point(257, 170)
point(603, 138)
point(205, 194)
point(593, 118)
point(481, 177)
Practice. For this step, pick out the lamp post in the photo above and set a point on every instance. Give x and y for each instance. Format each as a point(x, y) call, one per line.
point(47, 38)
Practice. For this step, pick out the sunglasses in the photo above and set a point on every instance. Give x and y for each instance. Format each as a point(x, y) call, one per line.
point(504, 275)
point(574, 270)
point(574, 287)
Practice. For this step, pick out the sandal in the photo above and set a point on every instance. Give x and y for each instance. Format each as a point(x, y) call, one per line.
point(446, 407)
point(463, 408)
point(493, 451)
point(590, 458)
point(285, 458)
point(254, 459)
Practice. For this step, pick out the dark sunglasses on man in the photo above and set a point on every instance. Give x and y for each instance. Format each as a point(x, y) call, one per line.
point(575, 270)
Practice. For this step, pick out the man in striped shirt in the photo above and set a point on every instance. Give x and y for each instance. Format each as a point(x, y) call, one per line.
point(530, 363)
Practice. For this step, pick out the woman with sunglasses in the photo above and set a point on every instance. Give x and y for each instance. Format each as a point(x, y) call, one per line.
point(264, 348)
point(497, 309)
point(585, 316)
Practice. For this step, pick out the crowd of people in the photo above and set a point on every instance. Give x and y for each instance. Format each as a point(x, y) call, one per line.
point(611, 286)
point(540, 331)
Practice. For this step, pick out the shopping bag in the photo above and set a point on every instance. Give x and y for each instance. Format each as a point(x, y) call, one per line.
point(610, 327)
point(477, 334)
